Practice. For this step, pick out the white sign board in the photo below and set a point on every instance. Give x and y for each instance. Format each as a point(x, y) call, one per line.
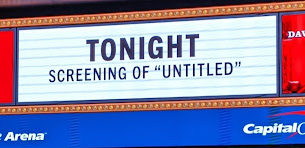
point(182, 58)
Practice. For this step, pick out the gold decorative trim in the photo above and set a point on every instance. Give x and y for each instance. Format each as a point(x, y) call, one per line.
point(150, 106)
point(153, 15)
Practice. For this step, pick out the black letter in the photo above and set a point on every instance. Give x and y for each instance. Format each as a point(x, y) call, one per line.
point(169, 71)
point(138, 71)
point(200, 67)
point(122, 73)
point(78, 73)
point(151, 47)
point(192, 43)
point(50, 73)
point(176, 70)
point(208, 70)
point(217, 69)
point(113, 49)
point(171, 46)
point(58, 75)
point(69, 75)
point(97, 73)
point(92, 48)
point(87, 74)
point(129, 50)
point(141, 44)
point(226, 68)
point(186, 69)
point(145, 71)
point(112, 73)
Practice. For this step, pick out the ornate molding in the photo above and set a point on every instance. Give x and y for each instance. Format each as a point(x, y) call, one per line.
point(150, 106)
point(153, 15)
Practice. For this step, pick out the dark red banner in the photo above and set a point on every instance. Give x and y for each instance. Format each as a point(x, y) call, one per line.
point(293, 53)
point(7, 66)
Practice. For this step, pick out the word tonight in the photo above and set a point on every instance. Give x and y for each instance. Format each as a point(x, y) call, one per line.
point(154, 50)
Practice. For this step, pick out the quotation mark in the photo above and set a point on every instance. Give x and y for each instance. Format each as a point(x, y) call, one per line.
point(237, 64)
point(157, 67)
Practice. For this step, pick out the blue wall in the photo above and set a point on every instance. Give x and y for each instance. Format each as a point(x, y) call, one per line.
point(150, 128)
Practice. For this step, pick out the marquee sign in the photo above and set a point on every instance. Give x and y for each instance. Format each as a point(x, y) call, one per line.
point(181, 58)
point(242, 75)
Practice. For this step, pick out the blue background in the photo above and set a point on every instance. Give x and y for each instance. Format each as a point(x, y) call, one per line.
point(150, 128)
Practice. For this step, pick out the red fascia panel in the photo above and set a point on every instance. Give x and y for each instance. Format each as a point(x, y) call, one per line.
point(6, 67)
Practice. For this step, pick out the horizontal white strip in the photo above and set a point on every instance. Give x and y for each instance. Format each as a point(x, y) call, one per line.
point(248, 43)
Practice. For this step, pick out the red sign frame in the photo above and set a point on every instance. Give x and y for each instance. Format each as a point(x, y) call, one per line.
point(7, 66)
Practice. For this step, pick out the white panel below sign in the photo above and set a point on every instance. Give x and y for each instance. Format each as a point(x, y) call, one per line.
point(218, 57)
